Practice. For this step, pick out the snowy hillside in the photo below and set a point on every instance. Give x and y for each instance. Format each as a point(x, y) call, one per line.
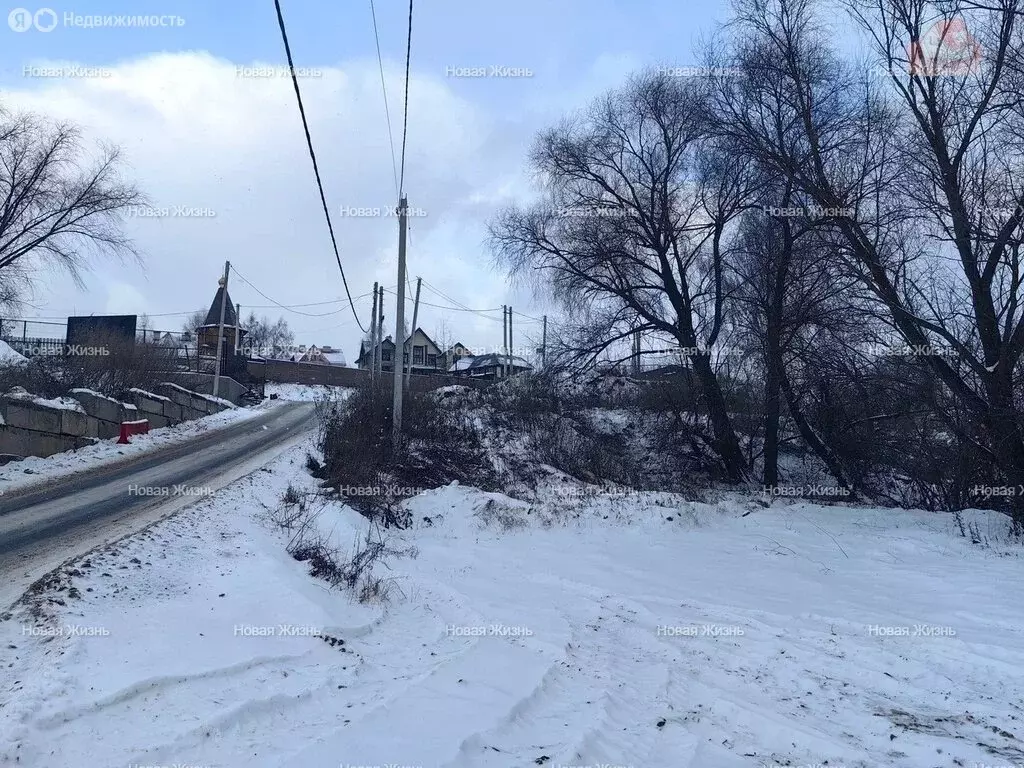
point(588, 629)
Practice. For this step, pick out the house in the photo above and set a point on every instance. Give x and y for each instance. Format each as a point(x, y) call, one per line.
point(206, 334)
point(325, 355)
point(427, 358)
point(489, 366)
point(455, 352)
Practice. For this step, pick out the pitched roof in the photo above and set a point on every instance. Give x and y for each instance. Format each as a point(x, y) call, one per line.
point(432, 342)
point(213, 316)
point(485, 361)
point(458, 348)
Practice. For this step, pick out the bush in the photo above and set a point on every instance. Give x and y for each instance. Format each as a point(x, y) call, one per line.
point(608, 430)
point(126, 366)
point(36, 376)
point(297, 514)
point(439, 446)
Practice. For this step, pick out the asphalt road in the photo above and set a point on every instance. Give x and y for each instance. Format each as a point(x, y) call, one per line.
point(41, 527)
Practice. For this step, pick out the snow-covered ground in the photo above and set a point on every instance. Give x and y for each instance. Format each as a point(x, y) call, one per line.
point(35, 470)
point(303, 392)
point(8, 356)
point(621, 629)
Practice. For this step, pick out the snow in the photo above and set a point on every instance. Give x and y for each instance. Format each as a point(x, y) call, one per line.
point(94, 393)
point(59, 403)
point(35, 470)
point(471, 362)
point(304, 392)
point(8, 356)
point(152, 395)
point(191, 393)
point(633, 629)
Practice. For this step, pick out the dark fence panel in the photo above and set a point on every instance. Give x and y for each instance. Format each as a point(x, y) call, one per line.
point(287, 372)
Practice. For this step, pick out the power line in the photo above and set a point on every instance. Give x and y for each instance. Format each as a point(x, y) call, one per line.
point(185, 313)
point(310, 304)
point(312, 155)
point(244, 279)
point(88, 314)
point(460, 305)
point(442, 306)
point(405, 118)
point(387, 111)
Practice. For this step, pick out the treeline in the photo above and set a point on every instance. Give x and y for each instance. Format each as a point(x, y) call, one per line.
point(837, 236)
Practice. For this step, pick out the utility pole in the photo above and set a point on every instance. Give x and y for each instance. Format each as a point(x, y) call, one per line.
point(238, 322)
point(511, 346)
point(396, 409)
point(378, 329)
point(380, 332)
point(544, 345)
point(373, 337)
point(504, 339)
point(220, 327)
point(415, 315)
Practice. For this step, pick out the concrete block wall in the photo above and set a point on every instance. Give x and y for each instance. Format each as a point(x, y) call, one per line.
point(191, 404)
point(32, 428)
point(106, 412)
point(202, 383)
point(16, 441)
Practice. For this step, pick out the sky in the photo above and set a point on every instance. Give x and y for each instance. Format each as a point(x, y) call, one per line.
point(205, 130)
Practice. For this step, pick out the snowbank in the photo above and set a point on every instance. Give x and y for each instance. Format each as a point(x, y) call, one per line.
point(305, 392)
point(60, 403)
point(8, 356)
point(617, 628)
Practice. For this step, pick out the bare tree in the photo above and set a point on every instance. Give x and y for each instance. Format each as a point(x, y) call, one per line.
point(266, 337)
point(918, 171)
point(789, 298)
point(193, 322)
point(57, 203)
point(633, 232)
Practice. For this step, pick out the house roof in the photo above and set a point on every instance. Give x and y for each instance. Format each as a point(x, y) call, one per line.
point(427, 337)
point(365, 346)
point(459, 348)
point(334, 357)
point(213, 316)
point(486, 361)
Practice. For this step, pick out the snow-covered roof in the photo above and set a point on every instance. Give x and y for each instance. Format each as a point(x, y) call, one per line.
point(472, 363)
point(335, 358)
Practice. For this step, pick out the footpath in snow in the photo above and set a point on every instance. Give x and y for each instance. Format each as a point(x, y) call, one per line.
point(634, 629)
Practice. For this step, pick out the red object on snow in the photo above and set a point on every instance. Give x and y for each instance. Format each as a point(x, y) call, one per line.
point(139, 427)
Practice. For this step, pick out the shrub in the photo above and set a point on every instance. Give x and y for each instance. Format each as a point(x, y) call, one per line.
point(297, 514)
point(438, 446)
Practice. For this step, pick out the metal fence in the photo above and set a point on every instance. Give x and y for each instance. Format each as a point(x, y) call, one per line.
point(21, 328)
point(32, 338)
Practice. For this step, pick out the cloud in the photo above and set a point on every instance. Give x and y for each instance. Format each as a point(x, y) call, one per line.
point(203, 134)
